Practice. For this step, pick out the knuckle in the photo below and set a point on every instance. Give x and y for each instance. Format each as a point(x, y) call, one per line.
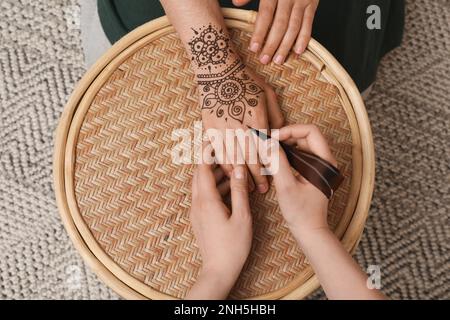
point(194, 210)
point(194, 194)
point(265, 16)
point(244, 218)
point(309, 14)
point(333, 161)
point(226, 170)
point(267, 88)
point(239, 187)
point(310, 127)
point(270, 47)
point(295, 22)
point(270, 93)
point(278, 122)
point(258, 36)
point(195, 198)
point(267, 6)
point(259, 179)
point(314, 129)
point(202, 206)
point(281, 23)
point(259, 32)
point(283, 49)
point(304, 36)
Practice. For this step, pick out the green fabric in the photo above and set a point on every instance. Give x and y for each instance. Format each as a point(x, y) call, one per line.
point(339, 25)
point(118, 17)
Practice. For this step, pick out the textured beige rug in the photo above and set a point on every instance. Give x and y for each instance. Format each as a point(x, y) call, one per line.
point(407, 234)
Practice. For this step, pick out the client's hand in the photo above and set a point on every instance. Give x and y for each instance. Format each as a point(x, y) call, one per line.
point(303, 206)
point(281, 25)
point(231, 95)
point(223, 237)
point(234, 99)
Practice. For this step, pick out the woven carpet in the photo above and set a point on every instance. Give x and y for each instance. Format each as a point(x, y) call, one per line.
point(408, 231)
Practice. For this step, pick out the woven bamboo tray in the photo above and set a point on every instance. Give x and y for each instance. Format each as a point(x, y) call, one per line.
point(125, 204)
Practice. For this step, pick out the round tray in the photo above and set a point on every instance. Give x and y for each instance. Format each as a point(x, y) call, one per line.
point(125, 204)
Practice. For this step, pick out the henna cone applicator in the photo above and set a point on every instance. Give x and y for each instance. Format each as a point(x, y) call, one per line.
point(320, 173)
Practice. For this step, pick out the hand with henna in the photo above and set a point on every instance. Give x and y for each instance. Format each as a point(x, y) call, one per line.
point(232, 96)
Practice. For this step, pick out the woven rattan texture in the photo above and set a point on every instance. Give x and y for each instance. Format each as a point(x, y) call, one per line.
point(136, 201)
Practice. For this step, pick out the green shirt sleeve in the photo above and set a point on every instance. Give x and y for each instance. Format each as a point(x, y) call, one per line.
point(339, 25)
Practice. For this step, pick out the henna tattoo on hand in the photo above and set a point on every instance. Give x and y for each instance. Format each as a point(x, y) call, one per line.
point(228, 93)
point(209, 47)
point(231, 89)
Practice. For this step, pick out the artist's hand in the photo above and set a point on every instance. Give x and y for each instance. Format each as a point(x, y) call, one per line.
point(223, 237)
point(303, 206)
point(281, 25)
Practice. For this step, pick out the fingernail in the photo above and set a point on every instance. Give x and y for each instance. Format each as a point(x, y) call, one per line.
point(262, 188)
point(239, 173)
point(254, 47)
point(299, 50)
point(278, 59)
point(265, 59)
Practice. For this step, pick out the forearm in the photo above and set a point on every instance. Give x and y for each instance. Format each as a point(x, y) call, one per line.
point(340, 276)
point(191, 17)
point(185, 15)
point(210, 286)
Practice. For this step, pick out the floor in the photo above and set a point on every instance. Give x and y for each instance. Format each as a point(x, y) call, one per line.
point(93, 39)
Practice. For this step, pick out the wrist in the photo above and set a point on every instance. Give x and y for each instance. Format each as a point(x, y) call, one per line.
point(210, 284)
point(308, 238)
point(232, 57)
point(302, 231)
point(219, 277)
point(306, 217)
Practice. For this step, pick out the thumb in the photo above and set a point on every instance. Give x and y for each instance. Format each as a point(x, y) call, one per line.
point(240, 3)
point(239, 192)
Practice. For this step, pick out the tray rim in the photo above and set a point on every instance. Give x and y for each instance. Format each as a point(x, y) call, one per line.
point(135, 289)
